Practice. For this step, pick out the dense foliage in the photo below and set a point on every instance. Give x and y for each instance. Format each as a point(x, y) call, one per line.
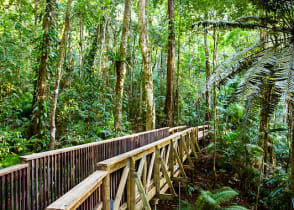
point(230, 64)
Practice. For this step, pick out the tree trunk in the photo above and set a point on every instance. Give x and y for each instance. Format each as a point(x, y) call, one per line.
point(214, 131)
point(91, 55)
point(148, 77)
point(169, 103)
point(291, 137)
point(178, 70)
point(207, 67)
point(39, 106)
point(121, 66)
point(58, 75)
point(81, 44)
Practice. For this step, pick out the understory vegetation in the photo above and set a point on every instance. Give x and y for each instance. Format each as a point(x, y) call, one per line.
point(80, 71)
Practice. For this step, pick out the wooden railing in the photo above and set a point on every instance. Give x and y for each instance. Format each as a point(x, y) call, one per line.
point(14, 187)
point(49, 175)
point(132, 179)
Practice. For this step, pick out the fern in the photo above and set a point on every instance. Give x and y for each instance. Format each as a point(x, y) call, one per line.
point(209, 200)
point(235, 207)
point(225, 194)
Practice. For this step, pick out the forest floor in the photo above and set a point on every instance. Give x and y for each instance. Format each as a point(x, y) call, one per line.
point(202, 178)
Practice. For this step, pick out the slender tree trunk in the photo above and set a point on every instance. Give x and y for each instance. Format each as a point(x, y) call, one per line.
point(81, 44)
point(69, 61)
point(58, 75)
point(39, 106)
point(291, 136)
point(169, 103)
point(214, 132)
point(91, 55)
point(178, 70)
point(35, 17)
point(121, 66)
point(148, 77)
point(207, 67)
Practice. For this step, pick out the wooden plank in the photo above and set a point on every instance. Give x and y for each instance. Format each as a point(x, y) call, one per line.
point(12, 169)
point(142, 192)
point(121, 186)
point(140, 169)
point(192, 145)
point(150, 170)
point(166, 175)
point(169, 197)
point(167, 155)
point(180, 163)
point(187, 153)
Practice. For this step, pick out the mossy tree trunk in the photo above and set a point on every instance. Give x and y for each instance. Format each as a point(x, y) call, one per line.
point(207, 68)
point(39, 101)
point(147, 68)
point(58, 74)
point(121, 66)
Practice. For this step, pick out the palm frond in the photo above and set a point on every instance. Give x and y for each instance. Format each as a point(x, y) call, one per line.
point(233, 65)
point(228, 24)
point(259, 73)
point(262, 20)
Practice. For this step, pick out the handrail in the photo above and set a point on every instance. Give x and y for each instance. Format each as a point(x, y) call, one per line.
point(177, 129)
point(72, 148)
point(77, 195)
point(114, 163)
point(12, 169)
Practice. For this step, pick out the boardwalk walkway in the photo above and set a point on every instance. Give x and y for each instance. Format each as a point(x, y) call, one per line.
point(121, 173)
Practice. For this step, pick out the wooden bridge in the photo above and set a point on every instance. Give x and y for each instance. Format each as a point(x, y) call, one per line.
point(120, 173)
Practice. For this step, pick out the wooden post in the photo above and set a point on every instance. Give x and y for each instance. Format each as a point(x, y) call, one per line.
point(144, 175)
point(132, 185)
point(157, 171)
point(181, 151)
point(171, 158)
point(106, 192)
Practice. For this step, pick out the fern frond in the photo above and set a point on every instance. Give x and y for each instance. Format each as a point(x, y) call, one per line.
point(206, 198)
point(225, 194)
point(235, 207)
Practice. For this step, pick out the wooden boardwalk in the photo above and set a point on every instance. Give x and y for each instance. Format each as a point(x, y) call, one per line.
point(121, 173)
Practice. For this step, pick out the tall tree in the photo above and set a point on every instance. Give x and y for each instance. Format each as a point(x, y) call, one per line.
point(39, 102)
point(147, 68)
point(58, 74)
point(121, 66)
point(169, 103)
point(207, 68)
point(91, 55)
